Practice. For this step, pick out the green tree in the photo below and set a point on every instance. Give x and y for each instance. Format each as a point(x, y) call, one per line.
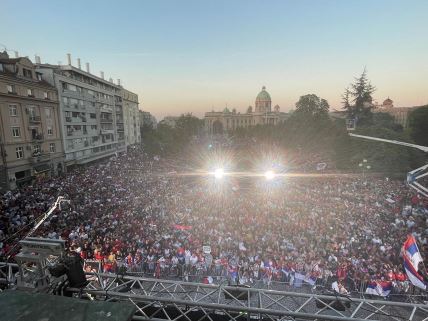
point(361, 94)
point(418, 125)
point(312, 106)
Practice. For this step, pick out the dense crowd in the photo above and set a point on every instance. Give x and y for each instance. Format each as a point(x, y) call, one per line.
point(138, 212)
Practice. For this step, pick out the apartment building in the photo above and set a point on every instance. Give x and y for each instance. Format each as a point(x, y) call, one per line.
point(30, 135)
point(131, 117)
point(90, 109)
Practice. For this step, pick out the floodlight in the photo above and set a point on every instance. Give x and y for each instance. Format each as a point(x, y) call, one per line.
point(269, 175)
point(219, 173)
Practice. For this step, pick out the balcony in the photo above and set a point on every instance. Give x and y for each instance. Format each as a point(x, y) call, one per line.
point(39, 157)
point(34, 119)
point(106, 120)
point(107, 131)
point(36, 137)
point(68, 119)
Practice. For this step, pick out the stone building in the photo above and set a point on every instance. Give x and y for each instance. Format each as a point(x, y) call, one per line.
point(91, 112)
point(226, 120)
point(147, 119)
point(30, 134)
point(131, 118)
point(400, 114)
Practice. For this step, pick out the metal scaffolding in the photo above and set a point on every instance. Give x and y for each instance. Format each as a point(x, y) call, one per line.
point(157, 299)
point(171, 300)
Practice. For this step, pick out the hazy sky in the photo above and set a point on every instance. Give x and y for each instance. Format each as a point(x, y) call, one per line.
point(191, 56)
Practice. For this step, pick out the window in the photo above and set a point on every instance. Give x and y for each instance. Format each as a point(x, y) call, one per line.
point(48, 113)
point(16, 132)
point(10, 89)
point(52, 147)
point(50, 131)
point(39, 76)
point(1, 67)
point(65, 100)
point(30, 92)
point(31, 111)
point(71, 87)
point(93, 116)
point(27, 73)
point(13, 110)
point(19, 152)
point(36, 150)
point(45, 95)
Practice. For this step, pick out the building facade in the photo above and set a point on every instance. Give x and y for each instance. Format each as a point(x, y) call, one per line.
point(30, 133)
point(131, 118)
point(400, 114)
point(147, 119)
point(91, 112)
point(226, 120)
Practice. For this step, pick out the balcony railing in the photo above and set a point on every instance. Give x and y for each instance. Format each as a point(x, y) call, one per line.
point(34, 119)
point(39, 157)
point(37, 137)
point(106, 120)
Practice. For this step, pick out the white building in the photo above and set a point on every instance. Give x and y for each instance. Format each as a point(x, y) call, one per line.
point(91, 112)
point(131, 117)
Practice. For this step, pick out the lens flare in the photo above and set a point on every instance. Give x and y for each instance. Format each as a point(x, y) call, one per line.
point(219, 173)
point(269, 175)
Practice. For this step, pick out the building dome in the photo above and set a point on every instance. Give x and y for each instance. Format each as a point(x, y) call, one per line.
point(226, 110)
point(388, 102)
point(263, 102)
point(263, 95)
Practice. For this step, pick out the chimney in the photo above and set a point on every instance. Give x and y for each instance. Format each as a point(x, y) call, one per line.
point(38, 61)
point(87, 68)
point(102, 74)
point(118, 81)
point(79, 64)
point(16, 54)
point(69, 59)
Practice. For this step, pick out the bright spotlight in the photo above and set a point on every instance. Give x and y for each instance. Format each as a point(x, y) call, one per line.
point(269, 175)
point(219, 173)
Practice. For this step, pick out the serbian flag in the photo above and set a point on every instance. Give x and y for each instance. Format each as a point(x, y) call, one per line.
point(182, 227)
point(233, 272)
point(413, 275)
point(381, 288)
point(311, 279)
point(411, 250)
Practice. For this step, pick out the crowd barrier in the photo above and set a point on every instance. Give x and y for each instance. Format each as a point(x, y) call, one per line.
point(220, 275)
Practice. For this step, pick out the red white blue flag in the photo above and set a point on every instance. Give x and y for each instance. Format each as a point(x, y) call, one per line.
point(412, 258)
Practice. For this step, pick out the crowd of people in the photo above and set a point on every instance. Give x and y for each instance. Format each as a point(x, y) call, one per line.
point(139, 212)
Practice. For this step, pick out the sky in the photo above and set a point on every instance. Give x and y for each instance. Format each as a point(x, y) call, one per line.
point(197, 56)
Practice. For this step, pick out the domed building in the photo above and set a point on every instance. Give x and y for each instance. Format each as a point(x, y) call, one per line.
point(263, 101)
point(221, 122)
point(400, 114)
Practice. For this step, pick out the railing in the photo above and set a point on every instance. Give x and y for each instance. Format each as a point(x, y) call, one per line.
point(39, 157)
point(172, 299)
point(34, 119)
point(37, 137)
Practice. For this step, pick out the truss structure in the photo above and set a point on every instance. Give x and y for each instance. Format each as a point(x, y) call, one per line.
point(159, 300)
